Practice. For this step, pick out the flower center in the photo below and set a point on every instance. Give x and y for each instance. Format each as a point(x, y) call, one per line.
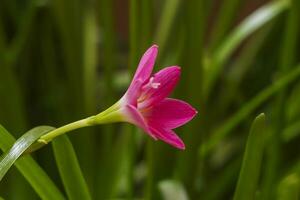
point(146, 88)
point(153, 84)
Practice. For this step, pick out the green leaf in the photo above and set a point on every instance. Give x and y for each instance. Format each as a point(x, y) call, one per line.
point(69, 169)
point(225, 19)
point(117, 167)
point(289, 188)
point(242, 65)
point(134, 33)
point(90, 60)
point(20, 147)
point(226, 179)
point(248, 108)
point(166, 21)
point(249, 174)
point(255, 21)
point(291, 131)
point(32, 172)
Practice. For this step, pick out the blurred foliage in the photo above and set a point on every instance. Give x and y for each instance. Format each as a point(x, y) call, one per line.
point(62, 60)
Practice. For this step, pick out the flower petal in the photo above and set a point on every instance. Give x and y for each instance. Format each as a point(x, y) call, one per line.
point(146, 64)
point(133, 116)
point(170, 113)
point(168, 136)
point(165, 80)
point(133, 92)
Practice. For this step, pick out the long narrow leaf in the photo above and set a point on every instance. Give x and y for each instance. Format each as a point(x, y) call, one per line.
point(287, 59)
point(165, 23)
point(249, 174)
point(291, 131)
point(33, 173)
point(226, 17)
point(20, 146)
point(288, 188)
point(69, 169)
point(228, 126)
point(259, 18)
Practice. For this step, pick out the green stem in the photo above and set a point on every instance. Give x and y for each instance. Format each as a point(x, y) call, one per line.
point(66, 128)
point(109, 115)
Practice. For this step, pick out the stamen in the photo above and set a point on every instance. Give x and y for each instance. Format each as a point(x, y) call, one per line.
point(146, 88)
point(154, 85)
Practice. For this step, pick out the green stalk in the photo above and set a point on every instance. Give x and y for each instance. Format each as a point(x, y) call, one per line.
point(288, 188)
point(134, 34)
point(109, 115)
point(252, 161)
point(24, 30)
point(107, 176)
point(227, 178)
point(146, 41)
point(45, 139)
point(68, 17)
point(12, 105)
point(167, 20)
point(146, 23)
point(291, 131)
point(253, 22)
point(241, 66)
point(248, 108)
point(69, 169)
point(2, 39)
point(90, 61)
point(225, 19)
point(286, 61)
point(192, 78)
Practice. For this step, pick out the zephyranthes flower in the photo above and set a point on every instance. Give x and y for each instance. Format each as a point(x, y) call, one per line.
point(145, 104)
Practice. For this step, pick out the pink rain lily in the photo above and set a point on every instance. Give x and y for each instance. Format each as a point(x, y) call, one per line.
point(145, 104)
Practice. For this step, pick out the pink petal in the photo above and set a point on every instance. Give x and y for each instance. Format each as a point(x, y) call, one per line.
point(171, 113)
point(146, 64)
point(167, 79)
point(168, 136)
point(133, 92)
point(135, 117)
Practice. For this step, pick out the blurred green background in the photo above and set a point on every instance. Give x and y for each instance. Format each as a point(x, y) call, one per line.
point(63, 60)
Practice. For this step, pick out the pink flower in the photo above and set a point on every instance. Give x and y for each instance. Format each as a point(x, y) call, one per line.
point(145, 104)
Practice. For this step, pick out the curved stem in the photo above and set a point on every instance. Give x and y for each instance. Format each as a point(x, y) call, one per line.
point(110, 115)
point(66, 128)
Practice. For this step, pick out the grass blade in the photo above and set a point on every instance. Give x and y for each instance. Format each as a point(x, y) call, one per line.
point(165, 23)
point(226, 179)
point(34, 174)
point(286, 62)
point(228, 126)
point(226, 17)
point(242, 66)
point(20, 147)
point(255, 21)
point(134, 33)
point(90, 61)
point(289, 188)
point(291, 131)
point(250, 170)
point(69, 169)
point(195, 19)
point(24, 29)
